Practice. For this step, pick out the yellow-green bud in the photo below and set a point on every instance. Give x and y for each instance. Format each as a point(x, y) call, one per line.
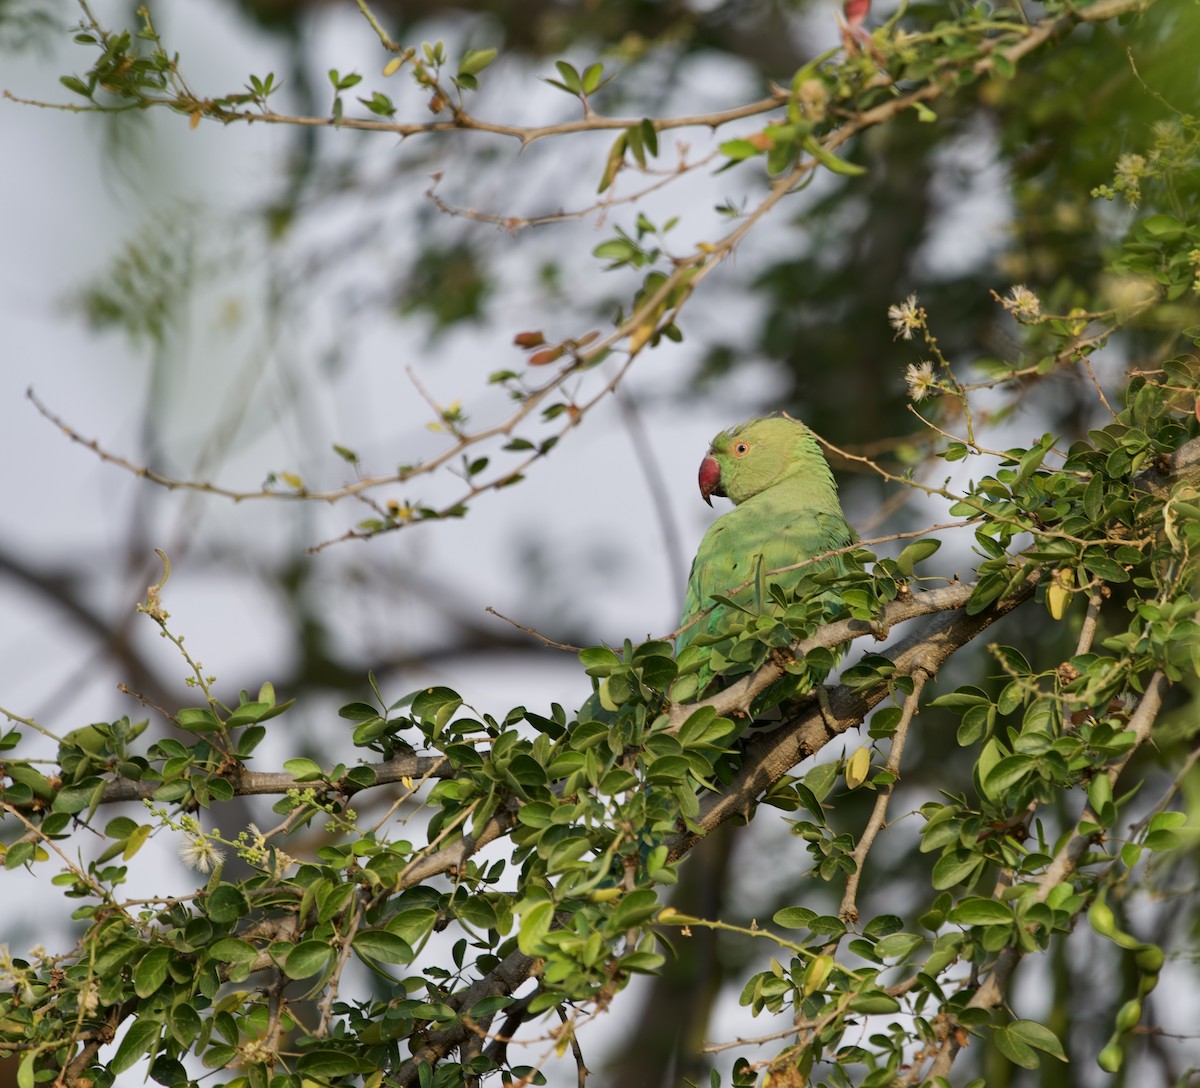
point(1101, 917)
point(1130, 1014)
point(1111, 1057)
point(1150, 959)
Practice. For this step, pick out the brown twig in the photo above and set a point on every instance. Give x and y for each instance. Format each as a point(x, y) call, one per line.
point(848, 910)
point(543, 639)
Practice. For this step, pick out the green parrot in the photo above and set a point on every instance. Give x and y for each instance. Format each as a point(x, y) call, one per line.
point(785, 510)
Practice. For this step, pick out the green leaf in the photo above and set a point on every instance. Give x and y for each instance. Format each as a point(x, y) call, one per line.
point(141, 1036)
point(956, 867)
point(875, 1002)
point(358, 712)
point(1008, 772)
point(591, 78)
point(1164, 228)
point(475, 61)
point(1103, 567)
point(599, 660)
point(184, 1023)
point(1014, 1049)
point(916, 552)
point(794, 917)
point(303, 770)
point(633, 909)
point(151, 971)
point(198, 719)
point(308, 958)
point(413, 924)
point(75, 799)
point(1166, 821)
point(829, 160)
point(1039, 1037)
point(379, 944)
point(898, 945)
point(976, 911)
point(962, 699)
point(74, 83)
point(535, 924)
point(232, 950)
point(226, 904)
point(821, 779)
point(738, 150)
point(436, 704)
point(570, 77)
point(327, 1065)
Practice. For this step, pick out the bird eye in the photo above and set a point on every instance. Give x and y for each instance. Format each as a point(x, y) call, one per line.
point(741, 449)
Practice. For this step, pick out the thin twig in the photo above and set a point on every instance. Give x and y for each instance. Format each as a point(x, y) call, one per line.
point(1087, 362)
point(848, 910)
point(543, 639)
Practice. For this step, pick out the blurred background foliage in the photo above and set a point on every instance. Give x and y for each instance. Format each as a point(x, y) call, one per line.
point(996, 190)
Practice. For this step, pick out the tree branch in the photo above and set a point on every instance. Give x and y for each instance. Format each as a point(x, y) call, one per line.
point(848, 909)
point(736, 698)
point(770, 755)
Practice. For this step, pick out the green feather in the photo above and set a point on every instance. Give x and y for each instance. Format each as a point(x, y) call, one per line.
point(786, 510)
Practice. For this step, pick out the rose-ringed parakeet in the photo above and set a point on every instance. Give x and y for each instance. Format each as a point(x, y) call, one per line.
point(785, 510)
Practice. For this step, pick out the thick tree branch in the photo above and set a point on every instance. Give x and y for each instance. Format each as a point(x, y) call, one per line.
point(771, 755)
point(736, 698)
point(508, 976)
point(1182, 467)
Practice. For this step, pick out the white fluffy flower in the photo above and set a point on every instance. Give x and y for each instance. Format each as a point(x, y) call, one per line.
point(919, 379)
point(906, 317)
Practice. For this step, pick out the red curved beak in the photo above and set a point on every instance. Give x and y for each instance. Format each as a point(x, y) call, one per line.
point(710, 479)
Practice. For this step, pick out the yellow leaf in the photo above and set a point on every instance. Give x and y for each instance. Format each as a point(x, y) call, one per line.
point(606, 700)
point(292, 480)
point(639, 336)
point(1056, 600)
point(1058, 596)
point(604, 895)
point(393, 66)
point(816, 973)
point(134, 843)
point(857, 768)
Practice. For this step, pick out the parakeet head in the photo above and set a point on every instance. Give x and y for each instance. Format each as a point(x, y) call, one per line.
point(749, 458)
